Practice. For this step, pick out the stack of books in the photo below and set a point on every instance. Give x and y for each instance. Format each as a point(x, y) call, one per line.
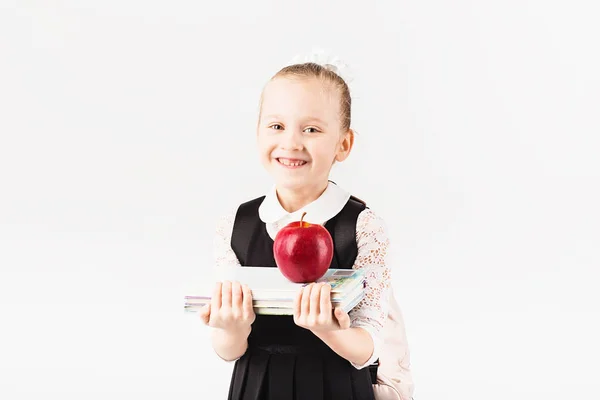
point(274, 294)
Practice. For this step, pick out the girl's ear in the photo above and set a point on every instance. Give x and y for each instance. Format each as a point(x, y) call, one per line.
point(345, 146)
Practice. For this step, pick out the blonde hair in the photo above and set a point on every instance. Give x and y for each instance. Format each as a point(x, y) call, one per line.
point(326, 73)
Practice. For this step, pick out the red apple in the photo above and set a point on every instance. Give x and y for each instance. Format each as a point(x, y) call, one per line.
point(303, 251)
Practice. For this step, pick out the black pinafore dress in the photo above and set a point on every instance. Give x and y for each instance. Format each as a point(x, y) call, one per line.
point(283, 360)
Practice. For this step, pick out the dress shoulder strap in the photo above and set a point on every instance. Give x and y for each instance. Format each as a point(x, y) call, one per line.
point(343, 232)
point(244, 226)
point(342, 228)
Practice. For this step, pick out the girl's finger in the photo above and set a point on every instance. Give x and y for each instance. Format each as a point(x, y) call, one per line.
point(298, 302)
point(326, 299)
point(215, 301)
point(305, 306)
point(226, 295)
point(247, 300)
point(236, 295)
point(315, 296)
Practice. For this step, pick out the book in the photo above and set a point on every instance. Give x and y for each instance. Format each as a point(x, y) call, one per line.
point(274, 294)
point(351, 299)
point(268, 283)
point(347, 305)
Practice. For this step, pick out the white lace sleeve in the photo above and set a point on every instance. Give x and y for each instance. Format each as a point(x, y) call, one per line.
point(371, 313)
point(223, 254)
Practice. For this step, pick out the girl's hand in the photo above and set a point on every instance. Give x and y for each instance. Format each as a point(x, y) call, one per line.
point(313, 310)
point(230, 308)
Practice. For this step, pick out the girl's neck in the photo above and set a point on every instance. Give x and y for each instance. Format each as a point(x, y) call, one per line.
point(292, 200)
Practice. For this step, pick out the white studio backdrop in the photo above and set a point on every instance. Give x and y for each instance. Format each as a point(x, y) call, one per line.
point(127, 128)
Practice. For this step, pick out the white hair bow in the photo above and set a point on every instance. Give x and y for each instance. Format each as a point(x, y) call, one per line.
point(326, 60)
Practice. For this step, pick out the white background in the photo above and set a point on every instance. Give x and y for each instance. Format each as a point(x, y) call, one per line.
point(127, 127)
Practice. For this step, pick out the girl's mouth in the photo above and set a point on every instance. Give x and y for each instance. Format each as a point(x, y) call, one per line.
point(290, 162)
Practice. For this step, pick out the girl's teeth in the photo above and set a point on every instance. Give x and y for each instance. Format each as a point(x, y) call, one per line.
point(291, 163)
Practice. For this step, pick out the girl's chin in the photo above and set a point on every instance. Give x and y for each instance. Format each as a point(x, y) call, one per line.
point(292, 183)
point(296, 183)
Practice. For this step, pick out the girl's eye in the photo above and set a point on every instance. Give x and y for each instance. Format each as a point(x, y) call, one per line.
point(312, 130)
point(276, 127)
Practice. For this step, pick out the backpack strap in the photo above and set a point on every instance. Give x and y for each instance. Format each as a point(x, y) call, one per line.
point(243, 228)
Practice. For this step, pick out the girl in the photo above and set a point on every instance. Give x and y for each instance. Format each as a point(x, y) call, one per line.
point(318, 353)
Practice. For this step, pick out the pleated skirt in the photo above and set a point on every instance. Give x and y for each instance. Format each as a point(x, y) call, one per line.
point(282, 373)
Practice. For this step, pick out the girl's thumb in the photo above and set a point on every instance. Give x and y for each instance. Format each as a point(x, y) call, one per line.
point(342, 318)
point(205, 313)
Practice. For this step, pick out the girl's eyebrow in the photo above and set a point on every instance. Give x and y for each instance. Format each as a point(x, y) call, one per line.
point(272, 116)
point(317, 120)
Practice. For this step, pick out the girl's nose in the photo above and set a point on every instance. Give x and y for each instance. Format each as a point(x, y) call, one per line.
point(292, 140)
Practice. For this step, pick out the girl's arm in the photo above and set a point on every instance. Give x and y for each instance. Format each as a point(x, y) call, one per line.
point(229, 345)
point(373, 256)
point(355, 336)
point(353, 344)
point(231, 315)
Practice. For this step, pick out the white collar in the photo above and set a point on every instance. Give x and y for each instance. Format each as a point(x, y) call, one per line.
point(321, 210)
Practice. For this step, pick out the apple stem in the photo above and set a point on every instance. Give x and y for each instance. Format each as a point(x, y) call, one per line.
point(302, 217)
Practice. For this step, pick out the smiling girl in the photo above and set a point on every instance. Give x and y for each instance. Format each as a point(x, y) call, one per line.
point(304, 127)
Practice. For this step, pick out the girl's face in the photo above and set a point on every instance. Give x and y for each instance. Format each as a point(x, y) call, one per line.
point(299, 132)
